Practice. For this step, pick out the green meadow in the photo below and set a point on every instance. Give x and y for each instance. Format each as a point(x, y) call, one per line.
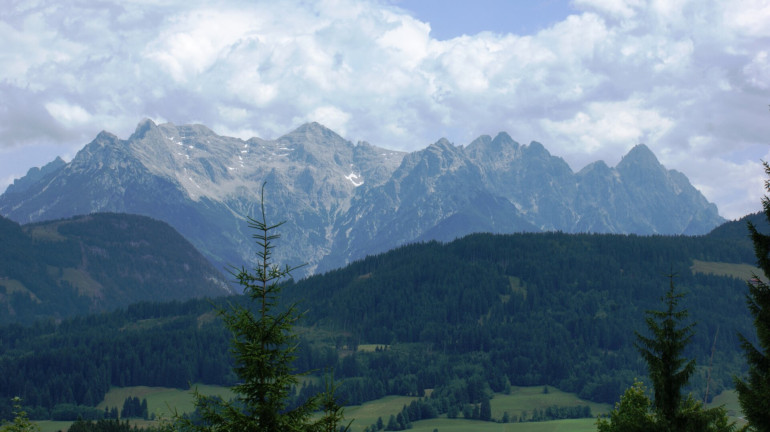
point(729, 400)
point(520, 400)
point(738, 271)
point(460, 425)
point(163, 402)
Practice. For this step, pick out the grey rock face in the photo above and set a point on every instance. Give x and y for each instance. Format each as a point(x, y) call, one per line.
point(343, 201)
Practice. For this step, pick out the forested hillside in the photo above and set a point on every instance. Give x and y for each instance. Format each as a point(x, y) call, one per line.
point(95, 263)
point(464, 318)
point(537, 308)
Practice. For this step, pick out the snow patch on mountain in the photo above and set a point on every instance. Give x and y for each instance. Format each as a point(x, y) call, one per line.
point(353, 177)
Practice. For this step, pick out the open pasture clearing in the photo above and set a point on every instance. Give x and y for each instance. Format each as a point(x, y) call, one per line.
point(521, 399)
point(53, 426)
point(367, 413)
point(729, 400)
point(530, 398)
point(372, 347)
point(162, 400)
point(459, 425)
point(738, 271)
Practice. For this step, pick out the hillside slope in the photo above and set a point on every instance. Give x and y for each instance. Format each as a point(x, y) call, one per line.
point(95, 263)
point(461, 318)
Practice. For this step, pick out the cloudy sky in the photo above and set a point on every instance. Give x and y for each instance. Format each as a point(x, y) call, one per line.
point(587, 78)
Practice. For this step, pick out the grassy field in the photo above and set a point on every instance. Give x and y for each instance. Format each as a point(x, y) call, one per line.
point(14, 286)
point(367, 413)
point(529, 398)
point(739, 271)
point(729, 400)
point(53, 426)
point(162, 401)
point(372, 347)
point(82, 281)
point(521, 399)
point(458, 425)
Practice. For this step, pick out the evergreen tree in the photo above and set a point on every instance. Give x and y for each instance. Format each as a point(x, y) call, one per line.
point(20, 422)
point(264, 349)
point(485, 410)
point(631, 414)
point(506, 417)
point(754, 392)
point(392, 424)
point(669, 371)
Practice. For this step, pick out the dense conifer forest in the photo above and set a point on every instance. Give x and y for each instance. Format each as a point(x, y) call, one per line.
point(465, 319)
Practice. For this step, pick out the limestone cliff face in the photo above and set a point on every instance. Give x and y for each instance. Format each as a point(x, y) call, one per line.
point(342, 201)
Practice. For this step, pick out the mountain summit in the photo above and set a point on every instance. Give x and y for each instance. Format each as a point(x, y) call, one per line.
point(342, 201)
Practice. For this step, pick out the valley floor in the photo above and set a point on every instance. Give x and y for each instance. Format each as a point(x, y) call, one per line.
point(162, 401)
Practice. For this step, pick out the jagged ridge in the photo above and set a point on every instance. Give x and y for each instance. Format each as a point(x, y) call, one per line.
point(342, 201)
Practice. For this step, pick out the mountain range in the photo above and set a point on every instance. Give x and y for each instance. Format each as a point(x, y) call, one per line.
point(343, 201)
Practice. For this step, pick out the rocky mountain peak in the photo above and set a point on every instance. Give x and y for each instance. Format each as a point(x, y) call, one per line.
point(314, 133)
point(439, 157)
point(595, 168)
point(53, 165)
point(640, 168)
point(480, 142)
point(343, 201)
point(104, 138)
point(497, 153)
point(145, 126)
point(441, 145)
point(536, 150)
point(313, 143)
point(35, 174)
point(502, 139)
point(639, 156)
point(106, 149)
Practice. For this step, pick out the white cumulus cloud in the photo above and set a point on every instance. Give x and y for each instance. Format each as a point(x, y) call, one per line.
point(687, 77)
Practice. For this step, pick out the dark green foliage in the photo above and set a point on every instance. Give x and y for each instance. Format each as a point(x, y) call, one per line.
point(70, 412)
point(631, 414)
point(485, 410)
point(117, 259)
point(530, 308)
point(392, 424)
point(264, 346)
point(110, 426)
point(465, 319)
point(754, 392)
point(20, 422)
point(669, 371)
point(75, 362)
point(133, 407)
